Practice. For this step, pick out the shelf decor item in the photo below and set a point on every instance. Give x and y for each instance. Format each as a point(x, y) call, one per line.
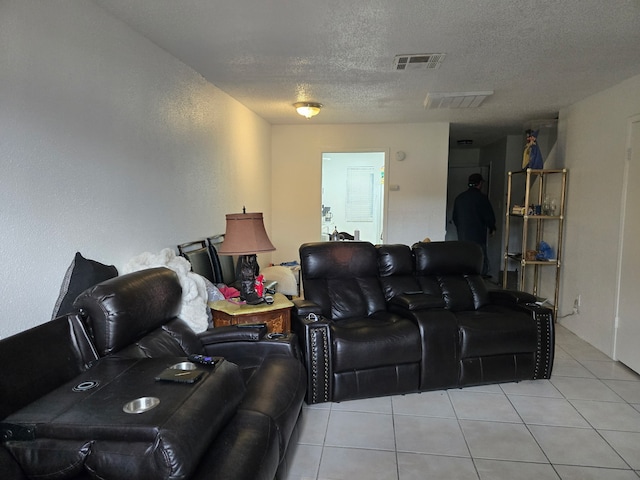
point(532, 157)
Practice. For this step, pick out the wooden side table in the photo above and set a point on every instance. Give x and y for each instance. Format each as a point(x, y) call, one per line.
point(277, 316)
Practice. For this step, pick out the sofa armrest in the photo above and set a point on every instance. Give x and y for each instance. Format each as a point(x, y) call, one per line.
point(510, 297)
point(233, 333)
point(417, 301)
point(545, 325)
point(544, 320)
point(302, 308)
point(248, 345)
point(315, 342)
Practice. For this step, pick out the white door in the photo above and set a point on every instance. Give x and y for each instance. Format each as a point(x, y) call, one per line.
point(353, 194)
point(628, 331)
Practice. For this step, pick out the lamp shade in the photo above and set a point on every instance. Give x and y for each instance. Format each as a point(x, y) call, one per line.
point(245, 235)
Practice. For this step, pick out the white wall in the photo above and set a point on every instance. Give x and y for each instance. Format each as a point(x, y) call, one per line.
point(108, 146)
point(592, 140)
point(415, 211)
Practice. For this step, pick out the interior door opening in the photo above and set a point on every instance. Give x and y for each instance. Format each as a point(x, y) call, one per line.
point(353, 195)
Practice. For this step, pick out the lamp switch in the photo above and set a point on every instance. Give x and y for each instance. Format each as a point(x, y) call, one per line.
point(394, 187)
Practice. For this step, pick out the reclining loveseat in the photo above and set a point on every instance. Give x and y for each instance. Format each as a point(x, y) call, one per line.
point(394, 319)
point(108, 392)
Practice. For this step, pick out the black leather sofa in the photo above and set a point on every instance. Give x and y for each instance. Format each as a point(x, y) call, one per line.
point(394, 319)
point(67, 384)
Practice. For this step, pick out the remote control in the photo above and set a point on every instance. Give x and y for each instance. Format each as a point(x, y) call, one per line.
point(203, 359)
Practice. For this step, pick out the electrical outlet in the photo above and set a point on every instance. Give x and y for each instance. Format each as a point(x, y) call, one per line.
point(577, 303)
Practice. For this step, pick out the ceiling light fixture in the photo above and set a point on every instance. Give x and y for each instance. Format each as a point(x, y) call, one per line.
point(307, 109)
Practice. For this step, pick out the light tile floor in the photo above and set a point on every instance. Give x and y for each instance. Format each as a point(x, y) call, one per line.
point(582, 424)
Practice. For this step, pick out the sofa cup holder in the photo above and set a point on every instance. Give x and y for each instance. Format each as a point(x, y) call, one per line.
point(183, 366)
point(141, 405)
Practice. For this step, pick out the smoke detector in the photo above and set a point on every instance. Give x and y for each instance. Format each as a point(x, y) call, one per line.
point(455, 100)
point(418, 61)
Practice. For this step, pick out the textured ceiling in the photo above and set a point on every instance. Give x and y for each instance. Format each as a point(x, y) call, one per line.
point(538, 56)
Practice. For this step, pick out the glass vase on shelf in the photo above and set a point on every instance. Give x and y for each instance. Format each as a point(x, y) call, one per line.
point(546, 206)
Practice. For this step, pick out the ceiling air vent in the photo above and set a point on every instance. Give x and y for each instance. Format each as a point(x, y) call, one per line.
point(455, 100)
point(419, 61)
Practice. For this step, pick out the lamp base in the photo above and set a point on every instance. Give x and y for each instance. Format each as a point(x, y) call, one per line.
point(246, 271)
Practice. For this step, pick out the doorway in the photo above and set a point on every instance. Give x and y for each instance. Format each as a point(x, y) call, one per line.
point(353, 194)
point(456, 184)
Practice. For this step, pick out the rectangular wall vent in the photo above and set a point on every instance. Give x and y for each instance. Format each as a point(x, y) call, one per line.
point(419, 61)
point(455, 100)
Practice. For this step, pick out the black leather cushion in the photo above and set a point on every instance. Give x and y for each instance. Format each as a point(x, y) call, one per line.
point(247, 449)
point(394, 259)
point(81, 274)
point(342, 278)
point(379, 340)
point(494, 331)
point(374, 382)
point(173, 339)
point(497, 368)
point(447, 258)
point(277, 389)
point(124, 309)
point(395, 266)
point(430, 286)
point(455, 267)
point(463, 292)
point(40, 359)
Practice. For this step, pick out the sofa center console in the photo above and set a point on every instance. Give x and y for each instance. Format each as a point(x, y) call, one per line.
point(117, 420)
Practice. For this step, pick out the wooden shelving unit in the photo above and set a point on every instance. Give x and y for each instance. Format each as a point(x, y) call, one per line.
point(538, 186)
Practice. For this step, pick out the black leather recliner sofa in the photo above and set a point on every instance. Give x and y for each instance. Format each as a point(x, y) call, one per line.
point(393, 319)
point(66, 387)
point(357, 347)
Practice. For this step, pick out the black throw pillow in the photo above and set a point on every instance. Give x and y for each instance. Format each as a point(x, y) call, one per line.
point(81, 274)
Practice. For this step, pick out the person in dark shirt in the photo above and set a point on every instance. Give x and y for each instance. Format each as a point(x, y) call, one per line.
point(473, 217)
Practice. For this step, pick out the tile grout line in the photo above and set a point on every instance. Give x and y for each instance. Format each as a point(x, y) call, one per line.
point(587, 420)
point(464, 437)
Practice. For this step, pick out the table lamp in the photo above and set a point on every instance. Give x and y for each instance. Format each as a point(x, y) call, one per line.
point(245, 236)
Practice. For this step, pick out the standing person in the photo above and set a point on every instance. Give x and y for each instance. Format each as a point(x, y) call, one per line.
point(473, 217)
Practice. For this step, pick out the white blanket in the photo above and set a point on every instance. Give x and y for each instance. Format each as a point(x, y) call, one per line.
point(194, 291)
